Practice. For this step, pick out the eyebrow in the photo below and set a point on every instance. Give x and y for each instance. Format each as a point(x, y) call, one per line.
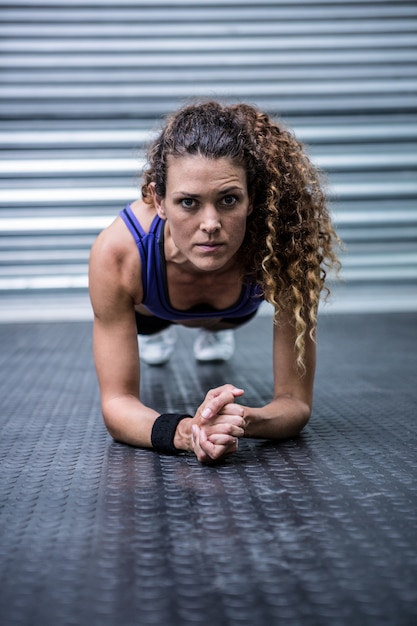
point(186, 193)
point(221, 193)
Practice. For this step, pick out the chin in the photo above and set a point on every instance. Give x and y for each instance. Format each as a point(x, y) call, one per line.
point(209, 265)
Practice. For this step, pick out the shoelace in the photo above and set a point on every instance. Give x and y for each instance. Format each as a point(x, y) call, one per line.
point(154, 339)
point(210, 339)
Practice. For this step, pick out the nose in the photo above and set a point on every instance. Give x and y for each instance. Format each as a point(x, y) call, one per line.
point(210, 222)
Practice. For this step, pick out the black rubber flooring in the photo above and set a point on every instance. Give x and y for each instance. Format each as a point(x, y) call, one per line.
point(320, 530)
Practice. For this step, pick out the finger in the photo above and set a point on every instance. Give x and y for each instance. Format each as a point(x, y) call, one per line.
point(226, 422)
point(217, 391)
point(233, 428)
point(204, 449)
point(234, 409)
point(216, 450)
point(198, 451)
point(195, 435)
point(218, 398)
point(219, 439)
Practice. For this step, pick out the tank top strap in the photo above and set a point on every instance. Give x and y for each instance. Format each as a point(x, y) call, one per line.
point(156, 226)
point(132, 223)
point(135, 227)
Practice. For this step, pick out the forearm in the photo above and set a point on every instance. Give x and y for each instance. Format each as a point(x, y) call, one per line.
point(282, 418)
point(128, 420)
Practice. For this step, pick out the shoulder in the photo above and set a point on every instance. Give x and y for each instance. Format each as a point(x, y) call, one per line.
point(115, 265)
point(112, 248)
point(115, 246)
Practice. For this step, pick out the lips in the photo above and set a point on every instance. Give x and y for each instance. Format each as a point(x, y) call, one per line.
point(209, 246)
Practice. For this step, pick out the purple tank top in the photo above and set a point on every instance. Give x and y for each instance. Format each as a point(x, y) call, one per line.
point(154, 279)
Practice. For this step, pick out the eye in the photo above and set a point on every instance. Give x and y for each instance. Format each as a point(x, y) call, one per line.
point(229, 200)
point(188, 203)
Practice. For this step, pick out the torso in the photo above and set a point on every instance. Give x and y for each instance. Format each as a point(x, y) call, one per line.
point(187, 289)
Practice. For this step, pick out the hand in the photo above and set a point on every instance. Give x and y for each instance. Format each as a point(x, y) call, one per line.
point(218, 424)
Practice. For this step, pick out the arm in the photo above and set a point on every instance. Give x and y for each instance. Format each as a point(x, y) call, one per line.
point(288, 412)
point(112, 272)
point(290, 409)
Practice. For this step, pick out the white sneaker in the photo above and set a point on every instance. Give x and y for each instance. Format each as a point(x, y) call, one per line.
point(156, 349)
point(214, 346)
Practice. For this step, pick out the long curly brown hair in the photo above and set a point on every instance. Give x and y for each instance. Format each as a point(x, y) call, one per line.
point(290, 242)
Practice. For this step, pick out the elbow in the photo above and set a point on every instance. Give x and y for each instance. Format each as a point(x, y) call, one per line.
point(299, 419)
point(304, 416)
point(111, 427)
point(126, 421)
point(112, 423)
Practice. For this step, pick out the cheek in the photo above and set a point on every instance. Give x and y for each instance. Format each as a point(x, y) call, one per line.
point(182, 230)
point(237, 229)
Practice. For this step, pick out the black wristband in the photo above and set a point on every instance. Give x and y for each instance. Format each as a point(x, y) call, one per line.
point(163, 432)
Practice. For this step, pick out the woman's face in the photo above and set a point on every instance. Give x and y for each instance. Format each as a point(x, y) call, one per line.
point(206, 206)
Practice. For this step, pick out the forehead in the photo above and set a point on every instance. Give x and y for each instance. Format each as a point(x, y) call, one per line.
point(197, 169)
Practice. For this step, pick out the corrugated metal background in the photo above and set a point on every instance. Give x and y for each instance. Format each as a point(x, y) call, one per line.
point(84, 85)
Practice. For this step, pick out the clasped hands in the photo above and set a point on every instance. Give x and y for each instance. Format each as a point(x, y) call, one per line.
point(218, 424)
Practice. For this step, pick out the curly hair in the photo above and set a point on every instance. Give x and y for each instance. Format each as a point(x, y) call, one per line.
point(289, 244)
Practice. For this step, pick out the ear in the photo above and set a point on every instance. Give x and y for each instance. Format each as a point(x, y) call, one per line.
point(250, 207)
point(158, 202)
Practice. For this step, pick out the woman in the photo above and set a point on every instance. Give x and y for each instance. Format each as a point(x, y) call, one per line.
point(232, 212)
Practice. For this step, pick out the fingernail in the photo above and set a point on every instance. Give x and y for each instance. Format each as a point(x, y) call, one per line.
point(206, 413)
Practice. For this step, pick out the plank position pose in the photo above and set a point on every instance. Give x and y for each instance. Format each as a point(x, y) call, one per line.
point(232, 213)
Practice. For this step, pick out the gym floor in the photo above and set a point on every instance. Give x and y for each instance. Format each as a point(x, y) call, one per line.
point(319, 530)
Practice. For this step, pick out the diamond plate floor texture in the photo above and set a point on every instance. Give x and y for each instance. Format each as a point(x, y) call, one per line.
point(319, 530)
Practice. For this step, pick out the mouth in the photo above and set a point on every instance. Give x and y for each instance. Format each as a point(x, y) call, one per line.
point(209, 246)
